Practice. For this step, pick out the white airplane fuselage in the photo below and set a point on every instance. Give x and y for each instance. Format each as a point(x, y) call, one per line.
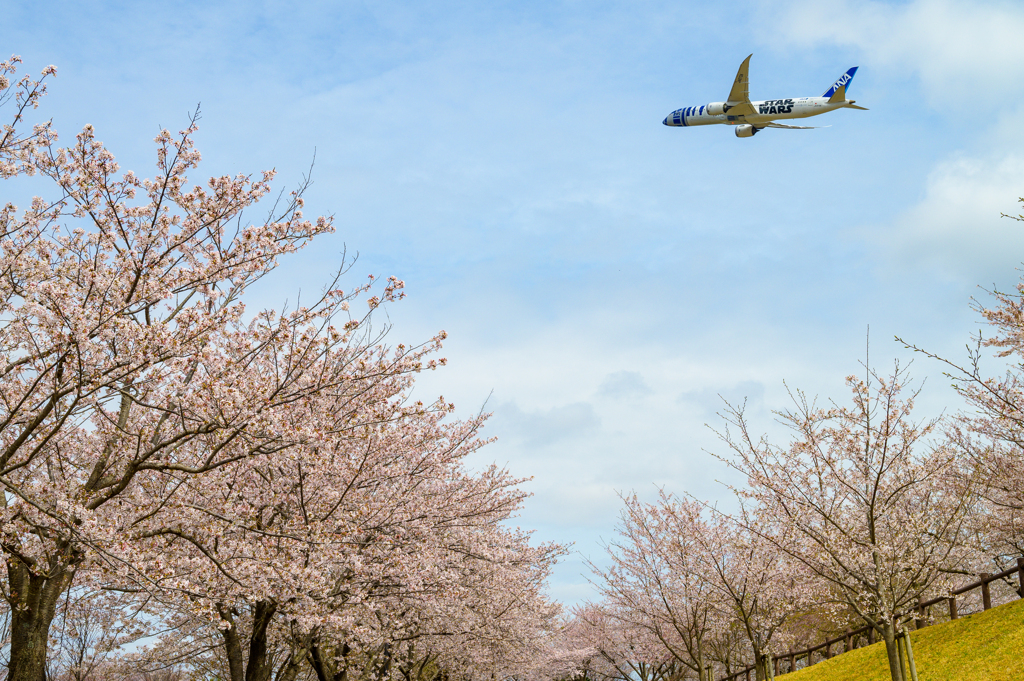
point(767, 111)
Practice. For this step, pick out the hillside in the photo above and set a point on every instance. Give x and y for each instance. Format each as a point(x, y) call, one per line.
point(988, 645)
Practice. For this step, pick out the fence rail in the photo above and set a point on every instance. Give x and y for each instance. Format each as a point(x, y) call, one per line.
point(850, 637)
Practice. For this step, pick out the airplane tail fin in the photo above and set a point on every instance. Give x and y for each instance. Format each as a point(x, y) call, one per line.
point(833, 93)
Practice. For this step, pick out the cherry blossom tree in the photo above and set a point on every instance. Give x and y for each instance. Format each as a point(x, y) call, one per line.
point(301, 533)
point(864, 491)
point(656, 581)
point(759, 584)
point(263, 484)
point(756, 587)
point(129, 365)
point(607, 646)
point(369, 547)
point(692, 578)
point(91, 626)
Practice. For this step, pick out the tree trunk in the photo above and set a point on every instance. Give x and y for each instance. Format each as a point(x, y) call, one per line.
point(260, 667)
point(760, 666)
point(385, 667)
point(298, 652)
point(292, 665)
point(232, 644)
point(323, 666)
point(289, 671)
point(892, 653)
point(319, 664)
point(34, 601)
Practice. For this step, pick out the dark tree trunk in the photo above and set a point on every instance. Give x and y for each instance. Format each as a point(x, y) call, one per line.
point(260, 667)
point(257, 665)
point(289, 671)
point(385, 666)
point(892, 653)
point(232, 644)
point(320, 663)
point(323, 665)
point(33, 603)
point(290, 668)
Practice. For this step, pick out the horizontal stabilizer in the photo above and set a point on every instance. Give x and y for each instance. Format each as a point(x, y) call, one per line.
point(854, 106)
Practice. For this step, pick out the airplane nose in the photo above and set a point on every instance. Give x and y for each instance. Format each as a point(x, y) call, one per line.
point(665, 122)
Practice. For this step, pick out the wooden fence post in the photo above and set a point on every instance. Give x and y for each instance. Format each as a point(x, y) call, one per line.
point(1020, 577)
point(910, 656)
point(792, 662)
point(919, 621)
point(871, 636)
point(901, 652)
point(952, 608)
point(828, 650)
point(849, 641)
point(986, 595)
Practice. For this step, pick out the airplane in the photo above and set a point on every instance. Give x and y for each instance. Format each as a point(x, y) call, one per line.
point(752, 117)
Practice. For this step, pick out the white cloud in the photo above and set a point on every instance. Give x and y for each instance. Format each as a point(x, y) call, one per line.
point(956, 227)
point(958, 48)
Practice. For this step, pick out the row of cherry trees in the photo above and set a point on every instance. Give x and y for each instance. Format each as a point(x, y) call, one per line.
point(193, 487)
point(863, 513)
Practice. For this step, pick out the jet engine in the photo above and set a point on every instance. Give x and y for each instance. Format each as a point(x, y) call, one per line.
point(715, 108)
point(745, 130)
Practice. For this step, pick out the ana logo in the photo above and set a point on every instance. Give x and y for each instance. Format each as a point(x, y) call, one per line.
point(843, 80)
point(775, 106)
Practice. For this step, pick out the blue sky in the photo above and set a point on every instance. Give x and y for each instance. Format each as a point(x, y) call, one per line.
point(603, 278)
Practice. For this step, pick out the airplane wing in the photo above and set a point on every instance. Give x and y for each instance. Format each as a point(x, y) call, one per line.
point(740, 87)
point(792, 127)
point(739, 96)
point(744, 109)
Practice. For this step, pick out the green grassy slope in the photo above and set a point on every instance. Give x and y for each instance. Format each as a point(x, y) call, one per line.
point(986, 646)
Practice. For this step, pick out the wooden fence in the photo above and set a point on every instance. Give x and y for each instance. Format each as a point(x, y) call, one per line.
point(787, 663)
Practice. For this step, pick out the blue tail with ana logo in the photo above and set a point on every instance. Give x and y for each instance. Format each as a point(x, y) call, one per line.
point(844, 80)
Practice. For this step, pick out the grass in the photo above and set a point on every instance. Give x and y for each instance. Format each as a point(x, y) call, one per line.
point(985, 646)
